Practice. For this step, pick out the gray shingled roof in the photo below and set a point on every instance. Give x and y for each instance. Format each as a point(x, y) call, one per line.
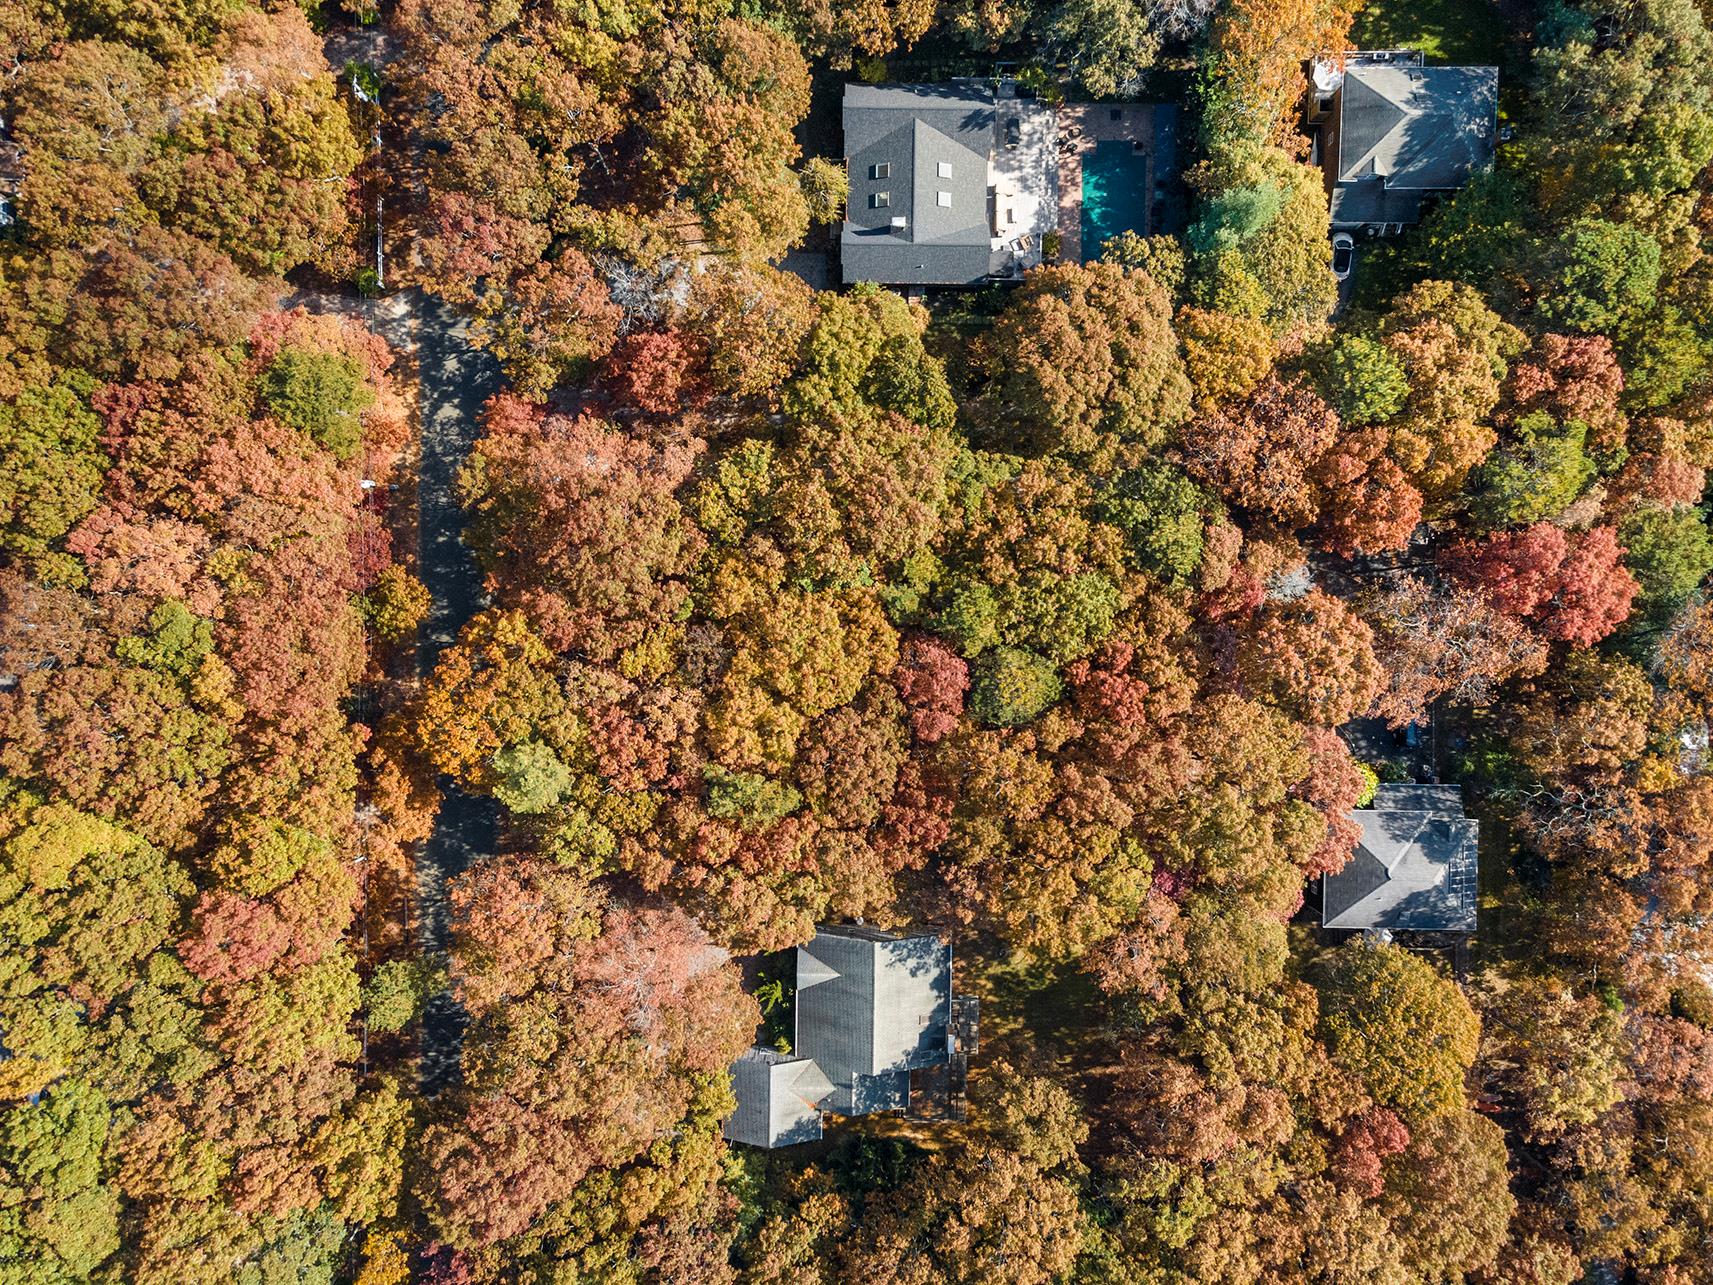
point(1415, 866)
point(925, 148)
point(871, 1007)
point(1406, 132)
point(778, 1099)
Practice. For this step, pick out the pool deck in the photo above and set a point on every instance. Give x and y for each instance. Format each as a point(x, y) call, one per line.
point(1081, 126)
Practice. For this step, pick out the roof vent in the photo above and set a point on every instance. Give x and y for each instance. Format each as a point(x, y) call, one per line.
point(900, 222)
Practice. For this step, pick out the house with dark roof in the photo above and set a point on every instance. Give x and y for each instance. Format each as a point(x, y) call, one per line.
point(1415, 866)
point(871, 1008)
point(950, 184)
point(1391, 134)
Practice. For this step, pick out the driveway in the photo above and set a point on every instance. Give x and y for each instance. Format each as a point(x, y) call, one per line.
point(455, 381)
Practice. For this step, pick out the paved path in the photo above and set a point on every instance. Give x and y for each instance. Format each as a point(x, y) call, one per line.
point(455, 380)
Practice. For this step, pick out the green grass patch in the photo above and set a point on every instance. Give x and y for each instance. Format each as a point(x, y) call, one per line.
point(1458, 32)
point(1052, 1009)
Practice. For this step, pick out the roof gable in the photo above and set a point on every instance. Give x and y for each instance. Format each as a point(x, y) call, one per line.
point(778, 1099)
point(918, 157)
point(1417, 128)
point(1414, 867)
point(949, 190)
point(872, 1003)
point(1368, 118)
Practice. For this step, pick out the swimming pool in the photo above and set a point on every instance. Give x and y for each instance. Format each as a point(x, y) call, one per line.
point(1115, 193)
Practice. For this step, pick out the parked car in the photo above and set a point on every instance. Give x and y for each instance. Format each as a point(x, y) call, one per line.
point(1343, 254)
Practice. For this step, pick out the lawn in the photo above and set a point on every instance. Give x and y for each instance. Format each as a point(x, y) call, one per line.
point(1458, 32)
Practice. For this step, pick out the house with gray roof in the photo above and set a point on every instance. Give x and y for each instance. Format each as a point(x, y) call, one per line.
point(1415, 866)
point(950, 184)
point(779, 1098)
point(870, 1007)
point(1391, 134)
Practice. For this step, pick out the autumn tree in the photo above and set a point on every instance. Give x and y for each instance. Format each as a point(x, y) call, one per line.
point(1454, 351)
point(1433, 641)
point(1260, 451)
point(1574, 587)
point(1081, 353)
point(580, 525)
point(966, 1215)
point(1400, 1027)
point(1313, 657)
point(647, 1014)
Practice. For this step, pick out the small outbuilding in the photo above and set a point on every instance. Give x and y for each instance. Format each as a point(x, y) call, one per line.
point(777, 1099)
point(1415, 866)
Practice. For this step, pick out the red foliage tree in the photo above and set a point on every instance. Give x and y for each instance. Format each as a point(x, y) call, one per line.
point(1575, 588)
point(659, 371)
point(469, 242)
point(1572, 378)
point(1333, 785)
point(932, 680)
point(612, 1022)
point(579, 525)
point(1260, 452)
point(1359, 1162)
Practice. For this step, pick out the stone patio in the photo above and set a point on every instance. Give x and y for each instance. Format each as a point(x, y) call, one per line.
point(1081, 126)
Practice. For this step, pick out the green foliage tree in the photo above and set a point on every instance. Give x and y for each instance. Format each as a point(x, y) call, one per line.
point(749, 798)
point(1012, 687)
point(1261, 240)
point(1363, 380)
point(1537, 476)
point(826, 187)
point(322, 394)
point(51, 465)
point(1601, 275)
point(529, 777)
point(1670, 552)
point(394, 995)
point(1164, 517)
point(397, 604)
point(1108, 45)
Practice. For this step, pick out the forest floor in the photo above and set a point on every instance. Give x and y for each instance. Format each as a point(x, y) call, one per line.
point(1456, 32)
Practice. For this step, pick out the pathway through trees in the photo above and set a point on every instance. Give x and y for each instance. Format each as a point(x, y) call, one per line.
point(455, 380)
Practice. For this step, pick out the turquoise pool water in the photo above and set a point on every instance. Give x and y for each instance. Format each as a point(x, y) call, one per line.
point(1115, 193)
